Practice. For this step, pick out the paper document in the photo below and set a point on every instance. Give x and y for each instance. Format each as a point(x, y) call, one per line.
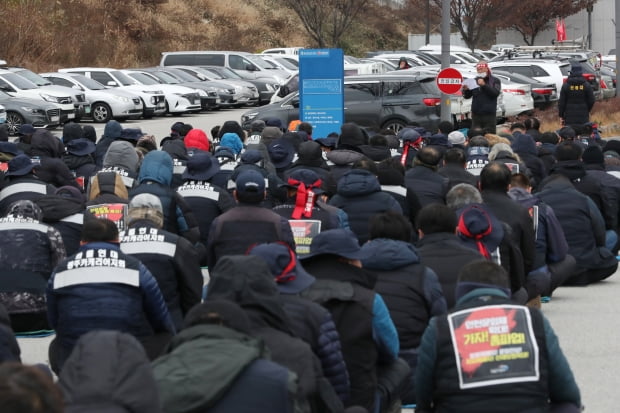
point(470, 83)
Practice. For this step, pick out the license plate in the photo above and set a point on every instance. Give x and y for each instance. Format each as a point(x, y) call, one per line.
point(55, 118)
point(161, 106)
point(86, 109)
point(71, 116)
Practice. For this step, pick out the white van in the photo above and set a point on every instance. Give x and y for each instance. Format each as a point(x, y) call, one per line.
point(245, 64)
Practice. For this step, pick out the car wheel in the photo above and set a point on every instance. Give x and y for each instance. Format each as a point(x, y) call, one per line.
point(14, 120)
point(101, 112)
point(394, 124)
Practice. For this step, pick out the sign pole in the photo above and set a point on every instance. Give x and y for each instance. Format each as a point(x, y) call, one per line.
point(446, 110)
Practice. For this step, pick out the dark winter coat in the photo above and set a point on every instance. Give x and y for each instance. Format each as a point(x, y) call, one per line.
point(576, 100)
point(171, 260)
point(429, 186)
point(86, 294)
point(212, 368)
point(484, 98)
point(445, 255)
point(360, 196)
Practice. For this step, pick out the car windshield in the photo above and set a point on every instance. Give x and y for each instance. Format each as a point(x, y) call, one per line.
point(285, 63)
point(214, 75)
point(87, 82)
point(225, 72)
point(19, 82)
point(33, 77)
point(144, 79)
point(258, 61)
point(166, 78)
point(123, 78)
point(183, 75)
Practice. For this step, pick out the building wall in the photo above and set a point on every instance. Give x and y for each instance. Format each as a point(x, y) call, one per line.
point(603, 28)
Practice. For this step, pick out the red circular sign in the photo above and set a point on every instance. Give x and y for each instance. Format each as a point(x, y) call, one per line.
point(449, 81)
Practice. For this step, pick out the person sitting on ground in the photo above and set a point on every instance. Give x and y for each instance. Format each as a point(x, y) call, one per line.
point(410, 289)
point(452, 376)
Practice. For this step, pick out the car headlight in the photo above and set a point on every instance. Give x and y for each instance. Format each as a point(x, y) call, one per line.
point(201, 92)
point(49, 98)
point(33, 110)
point(122, 98)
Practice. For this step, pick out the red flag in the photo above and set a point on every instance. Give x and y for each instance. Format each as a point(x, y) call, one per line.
point(560, 30)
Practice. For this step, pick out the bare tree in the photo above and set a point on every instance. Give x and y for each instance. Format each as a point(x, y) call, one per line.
point(474, 18)
point(536, 16)
point(326, 21)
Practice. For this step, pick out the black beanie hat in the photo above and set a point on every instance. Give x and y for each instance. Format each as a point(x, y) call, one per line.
point(593, 155)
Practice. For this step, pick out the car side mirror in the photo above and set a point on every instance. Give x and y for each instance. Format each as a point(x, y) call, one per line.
point(295, 103)
point(111, 83)
point(251, 68)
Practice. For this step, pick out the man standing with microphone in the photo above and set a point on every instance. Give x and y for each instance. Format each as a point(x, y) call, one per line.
point(484, 93)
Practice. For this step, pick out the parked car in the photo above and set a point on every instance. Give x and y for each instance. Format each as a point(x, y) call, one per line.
point(18, 86)
point(546, 71)
point(280, 63)
point(82, 106)
point(245, 93)
point(226, 93)
point(153, 99)
point(105, 104)
point(544, 94)
point(37, 112)
point(245, 64)
point(2, 114)
point(266, 87)
point(374, 101)
point(179, 99)
point(209, 98)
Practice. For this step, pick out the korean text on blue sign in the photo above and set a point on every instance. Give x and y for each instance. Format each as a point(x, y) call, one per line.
point(321, 79)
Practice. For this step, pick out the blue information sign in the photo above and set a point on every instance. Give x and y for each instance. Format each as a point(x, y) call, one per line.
point(321, 79)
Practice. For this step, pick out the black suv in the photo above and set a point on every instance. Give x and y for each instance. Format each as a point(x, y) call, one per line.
point(372, 101)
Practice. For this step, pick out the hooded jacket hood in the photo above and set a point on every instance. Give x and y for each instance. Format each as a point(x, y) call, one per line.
point(571, 169)
point(523, 143)
point(112, 129)
point(248, 281)
point(157, 166)
point(522, 196)
point(197, 138)
point(72, 131)
point(344, 156)
point(358, 182)
point(108, 371)
point(351, 137)
point(121, 154)
point(45, 144)
point(176, 149)
point(388, 254)
point(108, 183)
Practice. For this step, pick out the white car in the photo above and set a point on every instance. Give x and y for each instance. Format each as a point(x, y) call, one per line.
point(105, 104)
point(153, 98)
point(18, 86)
point(280, 62)
point(82, 107)
point(179, 99)
point(546, 71)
